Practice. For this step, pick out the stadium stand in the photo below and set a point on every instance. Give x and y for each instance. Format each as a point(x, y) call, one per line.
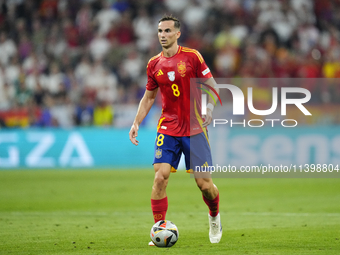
point(62, 61)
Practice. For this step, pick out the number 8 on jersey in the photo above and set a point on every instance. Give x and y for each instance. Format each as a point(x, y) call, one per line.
point(175, 90)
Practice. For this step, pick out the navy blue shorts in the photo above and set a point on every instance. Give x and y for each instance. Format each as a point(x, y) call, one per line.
point(196, 149)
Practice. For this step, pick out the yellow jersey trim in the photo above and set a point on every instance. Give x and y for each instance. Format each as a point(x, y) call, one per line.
point(159, 123)
point(154, 57)
point(195, 52)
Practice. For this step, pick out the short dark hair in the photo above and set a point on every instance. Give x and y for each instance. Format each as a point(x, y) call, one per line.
point(170, 17)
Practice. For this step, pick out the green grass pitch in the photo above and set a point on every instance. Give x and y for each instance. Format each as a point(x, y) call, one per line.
point(108, 212)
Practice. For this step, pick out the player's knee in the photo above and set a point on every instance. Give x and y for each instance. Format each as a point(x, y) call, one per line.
point(160, 181)
point(203, 185)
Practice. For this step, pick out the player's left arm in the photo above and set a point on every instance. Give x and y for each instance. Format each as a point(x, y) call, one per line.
point(211, 102)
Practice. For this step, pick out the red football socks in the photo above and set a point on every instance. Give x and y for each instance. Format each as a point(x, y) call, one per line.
point(159, 208)
point(213, 205)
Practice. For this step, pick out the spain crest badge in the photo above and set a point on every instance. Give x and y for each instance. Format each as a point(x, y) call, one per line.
point(158, 153)
point(181, 68)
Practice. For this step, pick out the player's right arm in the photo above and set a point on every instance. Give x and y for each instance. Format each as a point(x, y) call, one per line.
point(143, 110)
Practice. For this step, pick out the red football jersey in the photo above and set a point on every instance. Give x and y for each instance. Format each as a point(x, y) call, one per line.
point(181, 103)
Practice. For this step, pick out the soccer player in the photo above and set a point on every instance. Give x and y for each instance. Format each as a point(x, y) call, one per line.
point(170, 71)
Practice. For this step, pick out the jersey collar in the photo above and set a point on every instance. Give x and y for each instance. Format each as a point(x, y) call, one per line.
point(178, 51)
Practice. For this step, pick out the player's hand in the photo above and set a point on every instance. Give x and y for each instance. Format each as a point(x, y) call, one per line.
point(134, 133)
point(208, 118)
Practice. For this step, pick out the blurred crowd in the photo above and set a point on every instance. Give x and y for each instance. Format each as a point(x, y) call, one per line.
point(70, 62)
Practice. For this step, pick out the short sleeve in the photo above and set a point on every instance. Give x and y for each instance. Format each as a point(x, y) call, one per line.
point(203, 70)
point(151, 84)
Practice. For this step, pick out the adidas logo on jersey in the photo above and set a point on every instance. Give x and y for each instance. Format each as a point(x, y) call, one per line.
point(159, 72)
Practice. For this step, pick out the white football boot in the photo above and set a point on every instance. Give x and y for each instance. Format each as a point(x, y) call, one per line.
point(215, 230)
point(151, 243)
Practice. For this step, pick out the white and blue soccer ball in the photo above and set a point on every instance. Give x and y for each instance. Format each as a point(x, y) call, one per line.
point(164, 233)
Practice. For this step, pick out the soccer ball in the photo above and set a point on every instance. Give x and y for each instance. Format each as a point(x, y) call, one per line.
point(164, 233)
